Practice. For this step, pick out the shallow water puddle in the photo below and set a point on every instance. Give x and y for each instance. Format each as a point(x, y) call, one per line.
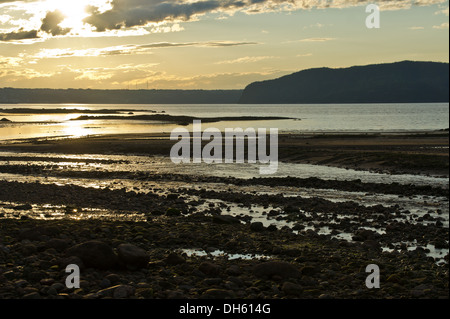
point(419, 205)
point(51, 212)
point(220, 253)
point(163, 165)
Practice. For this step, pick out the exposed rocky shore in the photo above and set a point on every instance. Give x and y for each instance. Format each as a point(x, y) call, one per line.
point(34, 253)
point(153, 235)
point(145, 260)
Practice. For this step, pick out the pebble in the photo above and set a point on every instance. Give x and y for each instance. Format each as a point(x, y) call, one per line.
point(94, 254)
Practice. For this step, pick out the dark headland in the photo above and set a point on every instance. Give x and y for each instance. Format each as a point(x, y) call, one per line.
point(400, 82)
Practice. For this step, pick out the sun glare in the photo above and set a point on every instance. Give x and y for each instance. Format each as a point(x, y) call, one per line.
point(75, 11)
point(76, 129)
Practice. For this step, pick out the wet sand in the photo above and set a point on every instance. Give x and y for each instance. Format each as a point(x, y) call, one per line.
point(415, 153)
point(171, 215)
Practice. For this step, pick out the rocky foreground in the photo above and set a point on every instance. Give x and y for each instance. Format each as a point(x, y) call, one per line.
point(145, 260)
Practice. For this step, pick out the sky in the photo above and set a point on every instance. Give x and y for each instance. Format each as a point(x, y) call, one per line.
point(206, 44)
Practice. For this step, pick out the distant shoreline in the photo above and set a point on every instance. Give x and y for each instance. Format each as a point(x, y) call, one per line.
point(13, 96)
point(90, 96)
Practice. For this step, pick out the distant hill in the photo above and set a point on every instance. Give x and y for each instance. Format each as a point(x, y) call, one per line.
point(400, 82)
point(12, 95)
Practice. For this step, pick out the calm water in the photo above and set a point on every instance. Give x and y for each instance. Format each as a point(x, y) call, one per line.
point(307, 118)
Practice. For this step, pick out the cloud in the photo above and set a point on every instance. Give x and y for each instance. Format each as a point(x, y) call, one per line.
point(247, 59)
point(4, 18)
point(6, 1)
point(10, 61)
point(443, 11)
point(92, 52)
point(317, 25)
point(132, 13)
point(227, 80)
point(19, 35)
point(123, 72)
point(315, 39)
point(16, 2)
point(50, 23)
point(303, 55)
point(129, 49)
point(138, 17)
point(13, 70)
point(441, 26)
point(227, 44)
point(323, 39)
point(129, 75)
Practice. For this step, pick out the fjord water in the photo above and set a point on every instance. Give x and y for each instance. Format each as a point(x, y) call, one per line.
point(309, 118)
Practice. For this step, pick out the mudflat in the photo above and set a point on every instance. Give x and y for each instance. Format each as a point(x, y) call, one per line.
point(416, 153)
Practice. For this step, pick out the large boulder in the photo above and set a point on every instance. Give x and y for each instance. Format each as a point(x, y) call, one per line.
point(257, 226)
point(365, 234)
point(225, 219)
point(174, 259)
point(132, 256)
point(95, 254)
